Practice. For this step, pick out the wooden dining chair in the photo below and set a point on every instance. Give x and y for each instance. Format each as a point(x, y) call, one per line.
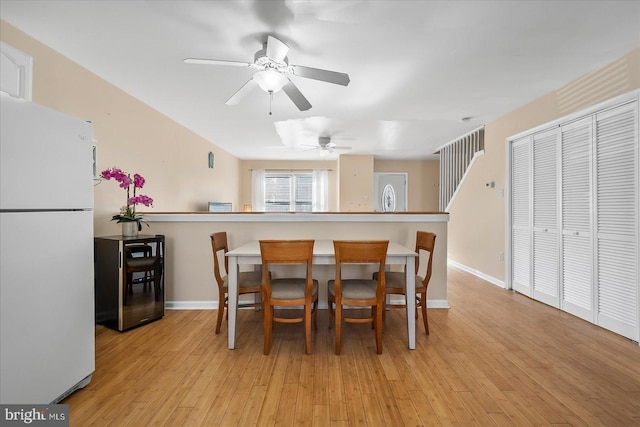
point(358, 292)
point(288, 292)
point(396, 280)
point(248, 281)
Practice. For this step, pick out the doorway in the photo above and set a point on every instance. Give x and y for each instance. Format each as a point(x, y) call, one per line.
point(390, 192)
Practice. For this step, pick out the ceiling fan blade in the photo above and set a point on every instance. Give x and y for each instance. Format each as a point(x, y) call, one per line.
point(296, 96)
point(322, 75)
point(216, 62)
point(237, 97)
point(276, 49)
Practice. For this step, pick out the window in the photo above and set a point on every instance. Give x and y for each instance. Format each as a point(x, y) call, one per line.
point(289, 191)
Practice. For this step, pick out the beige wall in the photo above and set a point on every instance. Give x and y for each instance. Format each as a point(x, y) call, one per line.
point(355, 183)
point(423, 177)
point(130, 135)
point(477, 220)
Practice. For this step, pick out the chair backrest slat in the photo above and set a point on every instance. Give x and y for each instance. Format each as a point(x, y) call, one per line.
point(219, 243)
point(287, 251)
point(425, 241)
point(360, 251)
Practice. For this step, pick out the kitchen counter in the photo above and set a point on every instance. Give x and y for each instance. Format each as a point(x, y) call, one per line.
point(296, 217)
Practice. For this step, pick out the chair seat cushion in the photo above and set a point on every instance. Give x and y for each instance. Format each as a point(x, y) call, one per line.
point(395, 279)
point(139, 248)
point(355, 288)
point(141, 262)
point(292, 288)
point(248, 279)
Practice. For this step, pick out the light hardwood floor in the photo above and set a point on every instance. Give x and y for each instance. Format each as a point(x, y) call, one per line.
point(494, 358)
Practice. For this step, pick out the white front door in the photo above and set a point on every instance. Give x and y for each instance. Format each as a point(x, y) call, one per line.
point(390, 192)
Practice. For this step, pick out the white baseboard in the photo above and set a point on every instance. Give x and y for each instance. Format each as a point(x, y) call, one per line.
point(213, 305)
point(198, 305)
point(476, 273)
point(438, 303)
point(191, 305)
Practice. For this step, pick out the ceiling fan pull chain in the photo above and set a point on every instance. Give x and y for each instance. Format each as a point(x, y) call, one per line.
point(270, 100)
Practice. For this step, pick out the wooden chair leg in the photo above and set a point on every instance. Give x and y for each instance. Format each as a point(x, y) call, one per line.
point(257, 301)
point(425, 319)
point(307, 327)
point(374, 312)
point(221, 306)
point(338, 320)
point(384, 307)
point(268, 326)
point(332, 312)
point(314, 314)
point(378, 328)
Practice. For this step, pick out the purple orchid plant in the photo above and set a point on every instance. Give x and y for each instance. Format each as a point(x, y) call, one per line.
point(128, 212)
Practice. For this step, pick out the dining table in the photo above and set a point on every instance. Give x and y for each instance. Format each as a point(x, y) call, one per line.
point(323, 254)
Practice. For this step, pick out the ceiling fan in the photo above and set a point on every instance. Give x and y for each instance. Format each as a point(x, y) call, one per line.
point(273, 66)
point(325, 146)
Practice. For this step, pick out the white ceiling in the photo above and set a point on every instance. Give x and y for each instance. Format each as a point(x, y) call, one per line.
point(416, 67)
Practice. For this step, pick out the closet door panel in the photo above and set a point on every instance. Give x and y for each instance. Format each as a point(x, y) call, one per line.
point(577, 283)
point(545, 217)
point(616, 167)
point(545, 270)
point(520, 216)
point(618, 287)
point(576, 190)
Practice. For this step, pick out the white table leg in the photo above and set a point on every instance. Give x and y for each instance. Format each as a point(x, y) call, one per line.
point(233, 300)
point(411, 301)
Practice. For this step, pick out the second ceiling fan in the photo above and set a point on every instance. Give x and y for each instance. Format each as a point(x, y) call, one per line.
point(273, 66)
point(326, 146)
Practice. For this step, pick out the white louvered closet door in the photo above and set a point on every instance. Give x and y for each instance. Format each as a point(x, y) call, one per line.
point(545, 217)
point(577, 261)
point(616, 167)
point(520, 217)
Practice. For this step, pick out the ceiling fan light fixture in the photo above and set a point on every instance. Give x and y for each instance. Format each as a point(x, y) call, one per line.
point(324, 152)
point(270, 81)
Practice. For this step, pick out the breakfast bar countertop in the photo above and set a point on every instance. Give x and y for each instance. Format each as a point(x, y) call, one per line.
point(201, 216)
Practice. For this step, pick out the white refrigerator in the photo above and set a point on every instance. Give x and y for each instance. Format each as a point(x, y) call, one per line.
point(47, 324)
